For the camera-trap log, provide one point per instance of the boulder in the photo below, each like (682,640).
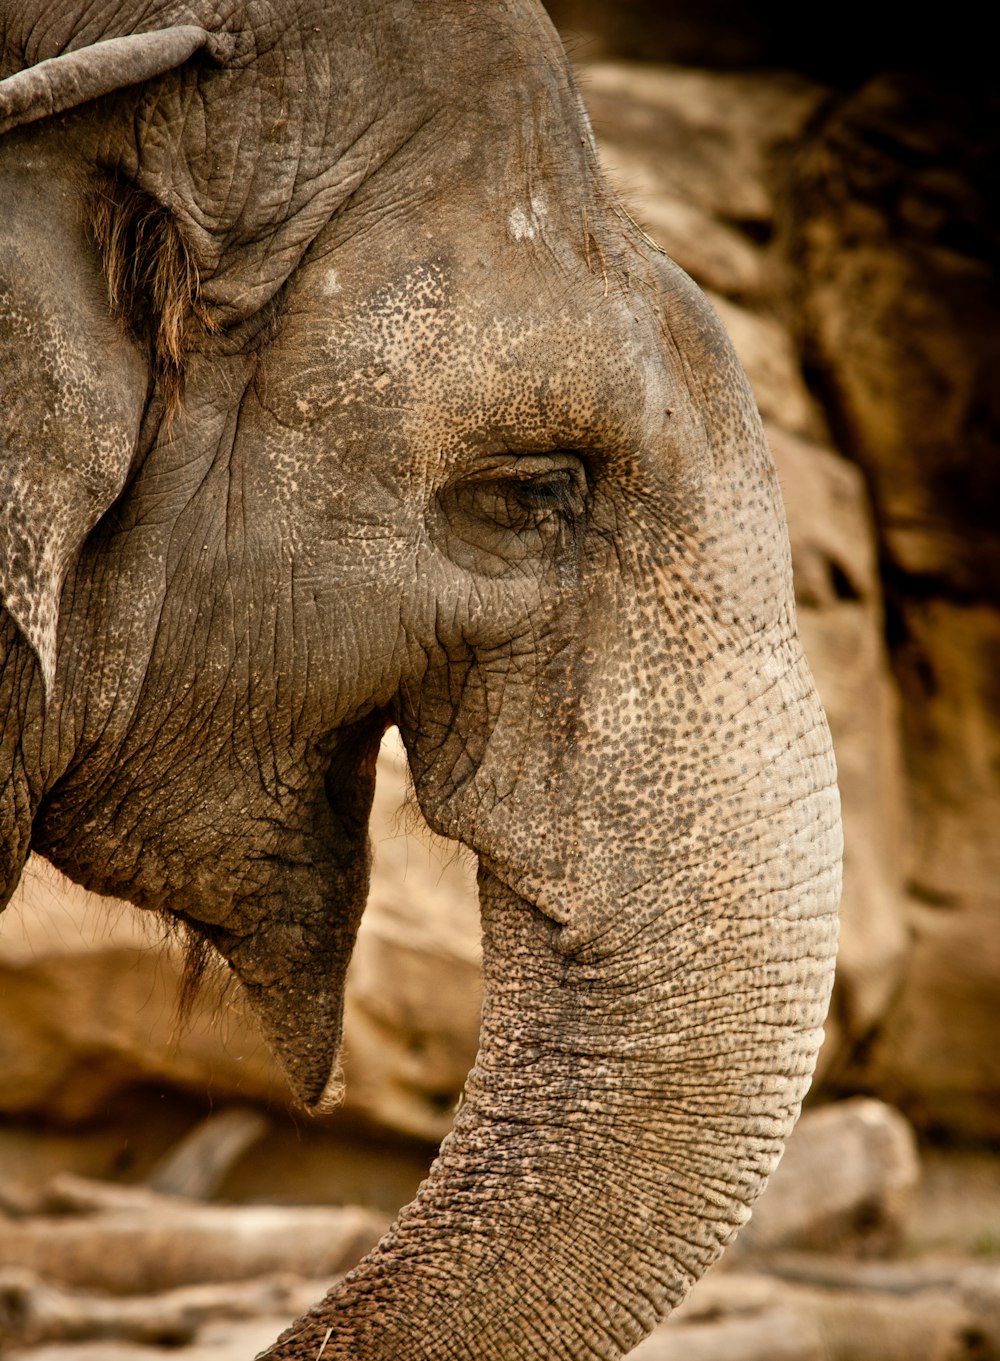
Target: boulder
(128,1240)
(766,349)
(936,1051)
(887,222)
(701,137)
(786,1322)
(89,993)
(839,599)
(844,1184)
(887,210)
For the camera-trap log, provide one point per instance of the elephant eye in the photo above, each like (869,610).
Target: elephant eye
(528,492)
(512,509)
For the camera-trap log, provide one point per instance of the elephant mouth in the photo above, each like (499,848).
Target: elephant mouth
(332,1094)
(303,1025)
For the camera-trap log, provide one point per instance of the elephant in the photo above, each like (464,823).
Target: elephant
(339,392)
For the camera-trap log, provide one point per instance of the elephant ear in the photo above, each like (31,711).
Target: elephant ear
(73,78)
(73,386)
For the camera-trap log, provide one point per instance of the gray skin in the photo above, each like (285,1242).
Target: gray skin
(445,442)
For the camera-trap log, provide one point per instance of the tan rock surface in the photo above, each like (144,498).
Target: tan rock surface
(936,1053)
(846,1182)
(766,350)
(704,138)
(839,600)
(88,1003)
(124,1240)
(890,224)
(895,244)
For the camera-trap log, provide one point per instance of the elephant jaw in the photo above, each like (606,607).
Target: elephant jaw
(310,1056)
(293,971)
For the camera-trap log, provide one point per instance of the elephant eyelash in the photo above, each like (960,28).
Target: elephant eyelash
(527,502)
(539,484)
(556,493)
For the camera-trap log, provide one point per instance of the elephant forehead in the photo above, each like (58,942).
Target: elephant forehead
(444,371)
(324,105)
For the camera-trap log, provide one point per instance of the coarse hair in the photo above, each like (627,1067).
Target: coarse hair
(154,289)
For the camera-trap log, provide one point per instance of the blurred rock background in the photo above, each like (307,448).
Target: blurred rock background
(834,190)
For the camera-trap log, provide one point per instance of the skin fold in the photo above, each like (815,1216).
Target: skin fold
(338,392)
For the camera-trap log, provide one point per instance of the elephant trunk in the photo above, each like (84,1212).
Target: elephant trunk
(626,1108)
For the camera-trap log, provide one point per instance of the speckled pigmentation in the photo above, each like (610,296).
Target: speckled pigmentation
(338,392)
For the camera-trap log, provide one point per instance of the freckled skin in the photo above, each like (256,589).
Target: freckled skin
(455,448)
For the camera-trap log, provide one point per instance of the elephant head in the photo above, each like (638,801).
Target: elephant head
(339,392)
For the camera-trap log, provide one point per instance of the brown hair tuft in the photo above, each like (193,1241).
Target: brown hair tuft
(152,279)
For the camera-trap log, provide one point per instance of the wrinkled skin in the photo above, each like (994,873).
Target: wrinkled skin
(440,440)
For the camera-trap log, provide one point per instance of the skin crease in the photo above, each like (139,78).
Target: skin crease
(456,448)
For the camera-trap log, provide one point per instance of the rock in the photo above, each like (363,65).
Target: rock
(414,989)
(116,1025)
(689,153)
(35,1311)
(700,137)
(889,225)
(888,220)
(958,1210)
(198,1165)
(766,350)
(779,1334)
(839,599)
(730,35)
(824,1313)
(948,660)
(717,256)
(845,1182)
(224,1339)
(336,1161)
(936,1051)
(830,524)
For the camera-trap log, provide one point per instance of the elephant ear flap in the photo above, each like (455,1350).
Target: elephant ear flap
(74,391)
(73,395)
(44,515)
(75,77)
